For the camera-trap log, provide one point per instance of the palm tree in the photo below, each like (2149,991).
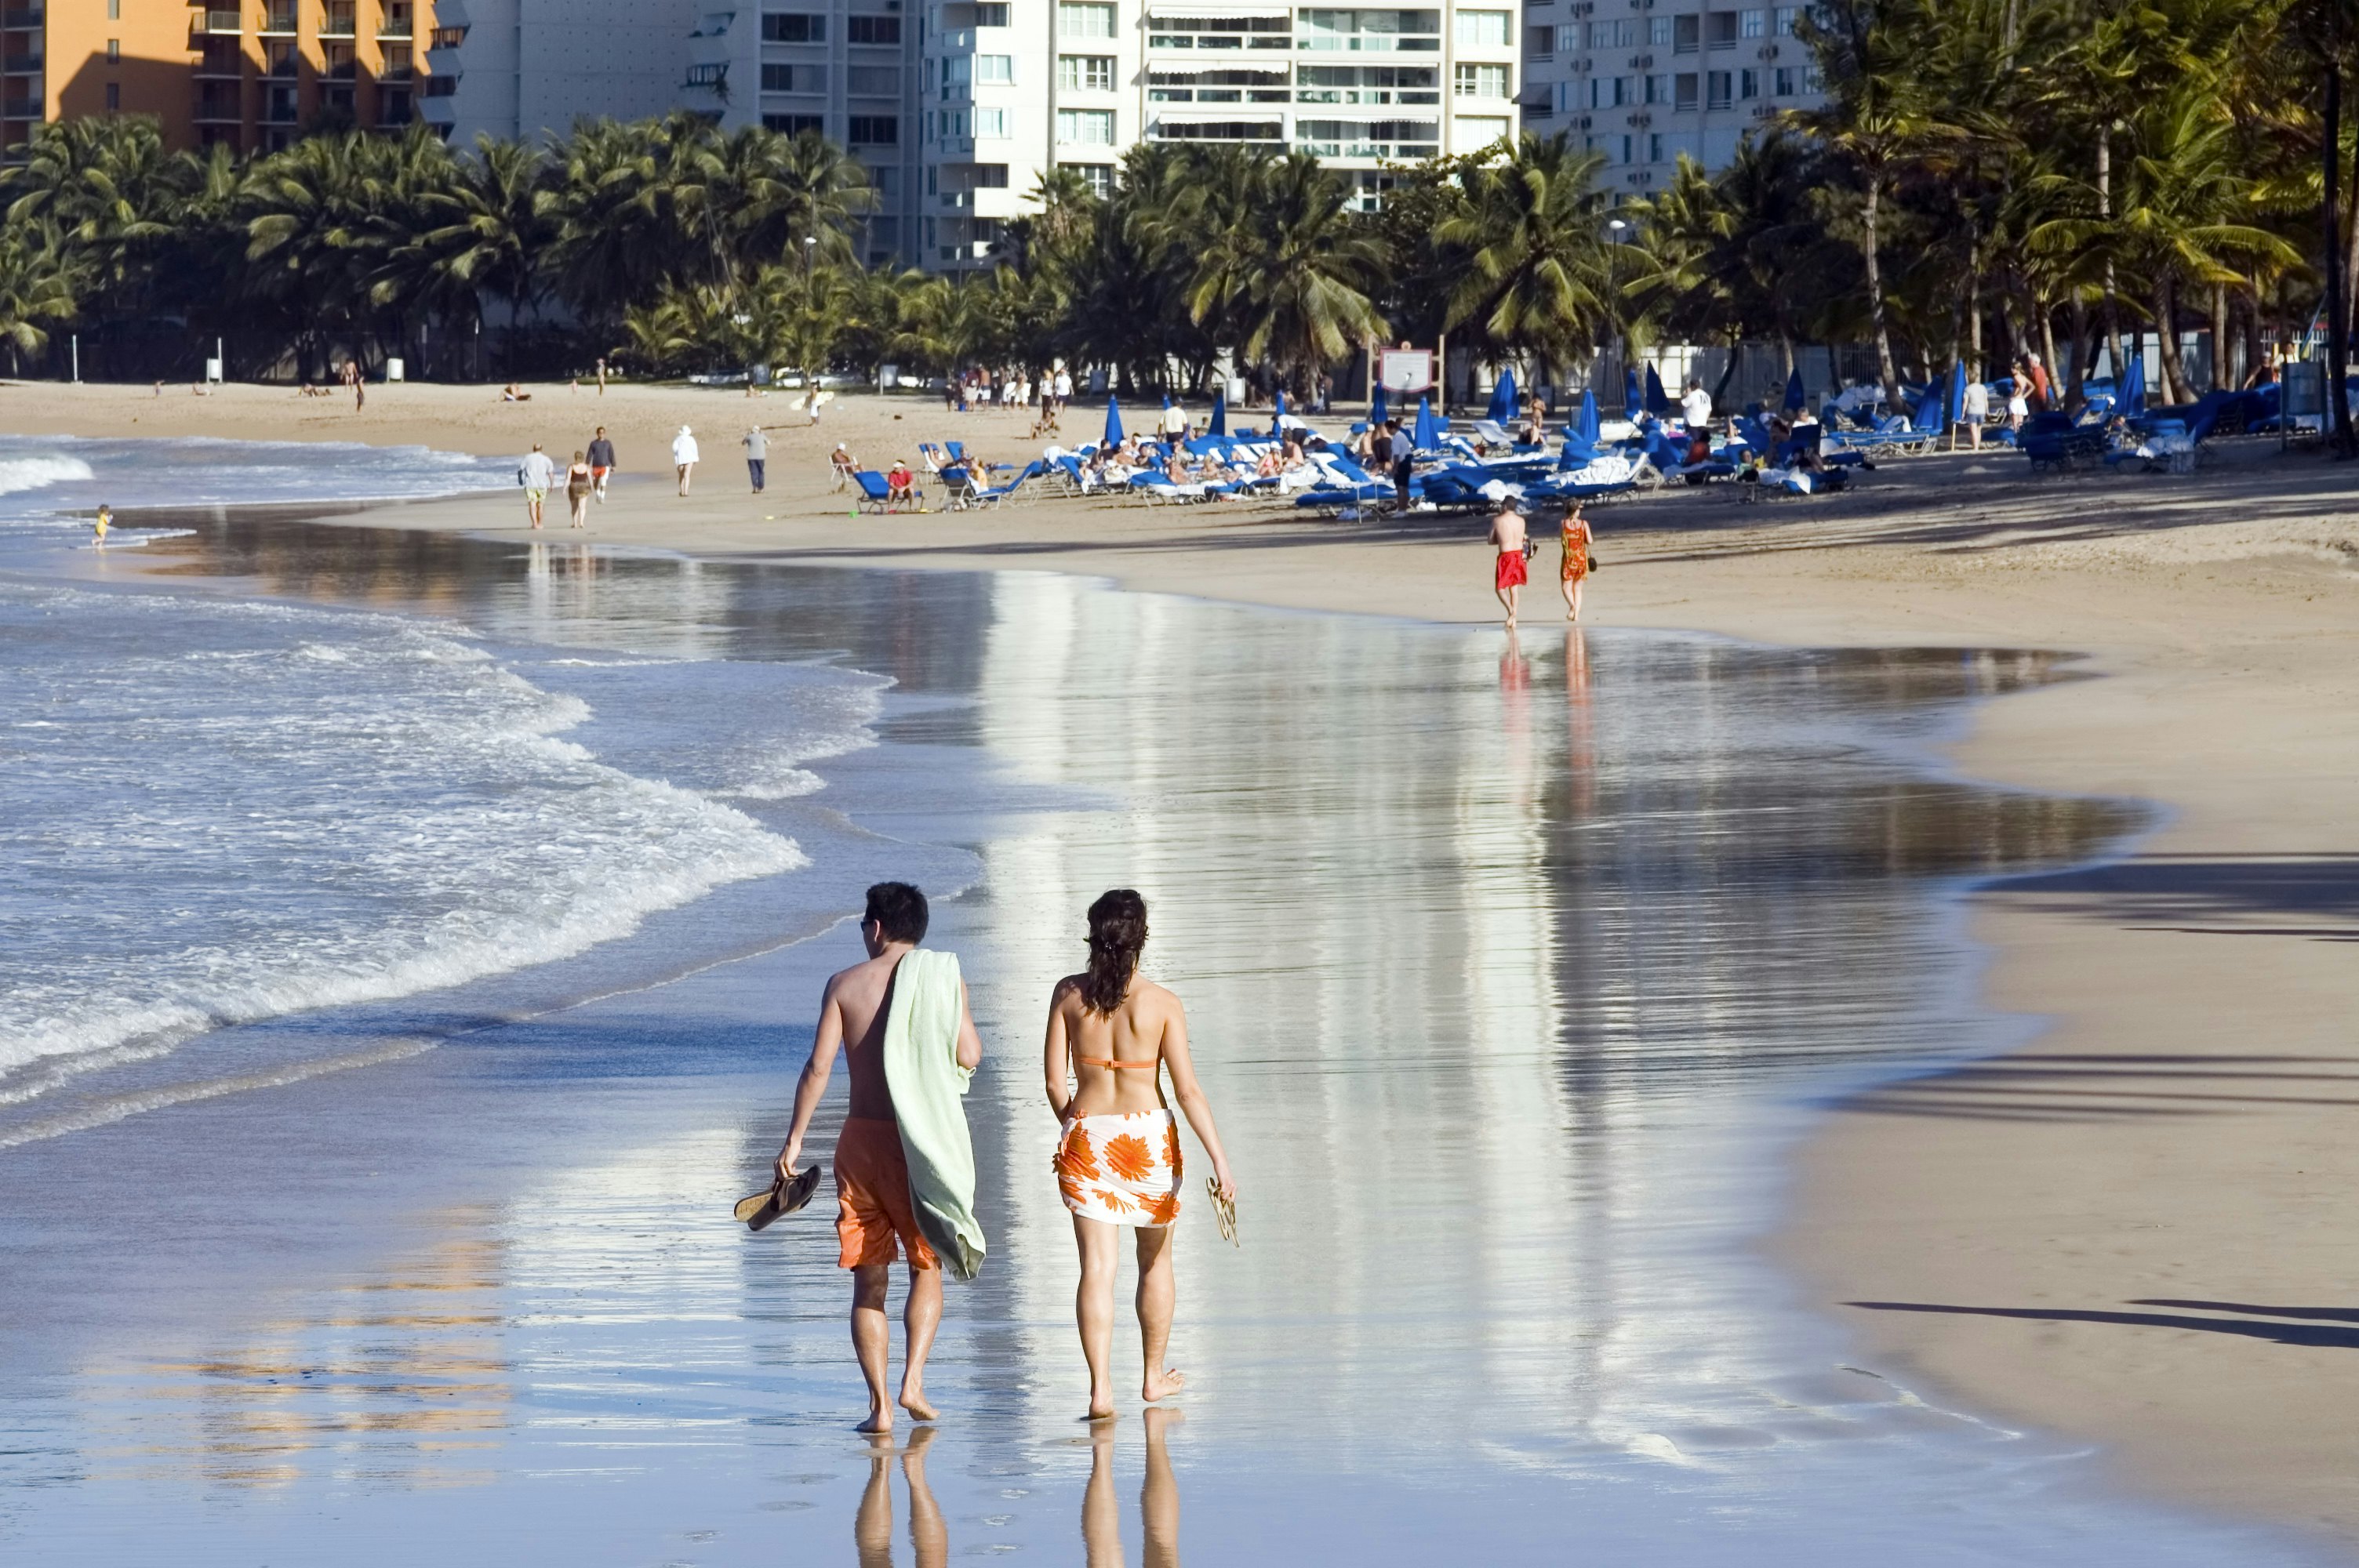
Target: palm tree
(489,231)
(1538,280)
(36,285)
(1293,276)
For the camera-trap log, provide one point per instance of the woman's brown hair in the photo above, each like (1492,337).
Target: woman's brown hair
(1117,931)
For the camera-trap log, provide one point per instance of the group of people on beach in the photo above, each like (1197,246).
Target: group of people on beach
(902,1020)
(1512,547)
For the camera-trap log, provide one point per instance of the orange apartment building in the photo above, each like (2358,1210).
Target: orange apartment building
(253,74)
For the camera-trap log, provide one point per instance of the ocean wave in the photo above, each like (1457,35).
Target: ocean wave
(24,473)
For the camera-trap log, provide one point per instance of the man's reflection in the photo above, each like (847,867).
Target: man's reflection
(1158,1499)
(872,1527)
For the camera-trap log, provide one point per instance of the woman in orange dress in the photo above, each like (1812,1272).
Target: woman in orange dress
(1575,569)
(1113,1035)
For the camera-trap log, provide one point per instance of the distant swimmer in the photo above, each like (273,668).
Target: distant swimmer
(904,1166)
(102,521)
(1113,1035)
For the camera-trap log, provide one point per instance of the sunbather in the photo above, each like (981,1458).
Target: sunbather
(900,483)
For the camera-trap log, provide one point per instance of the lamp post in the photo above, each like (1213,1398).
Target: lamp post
(1620,229)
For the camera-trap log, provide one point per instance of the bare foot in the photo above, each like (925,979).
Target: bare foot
(879,1422)
(1170,1380)
(914,1402)
(1100,1411)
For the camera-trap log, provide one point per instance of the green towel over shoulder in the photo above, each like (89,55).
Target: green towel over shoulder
(921,1069)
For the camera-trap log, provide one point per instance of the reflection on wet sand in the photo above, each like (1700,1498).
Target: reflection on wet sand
(872,1527)
(1158,1499)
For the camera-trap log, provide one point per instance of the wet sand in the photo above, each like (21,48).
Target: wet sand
(2127,1230)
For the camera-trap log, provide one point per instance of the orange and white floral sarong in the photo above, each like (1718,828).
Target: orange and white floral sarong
(1124,1170)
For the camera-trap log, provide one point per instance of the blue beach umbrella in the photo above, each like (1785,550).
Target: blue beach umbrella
(2130,401)
(1656,402)
(1584,424)
(1634,402)
(1430,430)
(1957,405)
(1794,397)
(1220,425)
(1503,398)
(1278,416)
(1113,422)
(1377,412)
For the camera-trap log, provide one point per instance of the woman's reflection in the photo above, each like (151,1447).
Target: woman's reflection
(1158,1499)
(872,1527)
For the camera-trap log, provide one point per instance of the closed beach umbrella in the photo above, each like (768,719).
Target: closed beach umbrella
(1657,403)
(1277,419)
(2130,395)
(1430,430)
(1503,398)
(1584,424)
(1634,402)
(1794,398)
(1377,412)
(1220,425)
(1113,422)
(1957,405)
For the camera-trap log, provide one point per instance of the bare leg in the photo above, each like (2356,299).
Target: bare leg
(1155,1313)
(1578,584)
(1572,591)
(1094,1309)
(929,1536)
(1100,1515)
(1158,1499)
(921,1315)
(1506,603)
(1515,593)
(872,1340)
(872,1527)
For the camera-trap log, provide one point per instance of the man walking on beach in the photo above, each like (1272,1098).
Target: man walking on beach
(683,457)
(904,1167)
(1507,572)
(757,454)
(536,475)
(602,461)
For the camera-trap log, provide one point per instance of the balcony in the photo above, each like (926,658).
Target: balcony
(216,25)
(394,33)
(217,109)
(27,16)
(23,65)
(276,22)
(337,23)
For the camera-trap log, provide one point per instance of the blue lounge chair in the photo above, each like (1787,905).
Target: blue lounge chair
(876,495)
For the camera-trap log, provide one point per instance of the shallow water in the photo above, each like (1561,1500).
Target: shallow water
(1513,970)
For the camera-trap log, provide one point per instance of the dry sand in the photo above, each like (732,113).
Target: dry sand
(2135,1228)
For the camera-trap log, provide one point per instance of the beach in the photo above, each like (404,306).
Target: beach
(2120,1232)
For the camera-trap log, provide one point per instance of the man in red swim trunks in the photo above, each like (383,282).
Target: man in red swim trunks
(1507,574)
(875,1220)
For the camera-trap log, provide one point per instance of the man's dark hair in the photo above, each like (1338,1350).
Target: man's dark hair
(899,912)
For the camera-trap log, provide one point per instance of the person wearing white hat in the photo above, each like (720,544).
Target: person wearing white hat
(683,455)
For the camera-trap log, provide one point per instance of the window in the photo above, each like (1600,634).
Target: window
(871,80)
(1481,81)
(1752,24)
(1475,133)
(1716,89)
(955,69)
(794,79)
(987,176)
(1658,32)
(1782,81)
(873,130)
(1099,176)
(1085,19)
(1482,28)
(990,123)
(1783,19)
(1659,89)
(1810,83)
(1720,30)
(796,125)
(1085,73)
(1618,34)
(1748,85)
(708,75)
(1654,146)
(1683,90)
(1686,34)
(1613,92)
(993,15)
(1086,127)
(995,68)
(446,38)
(872,30)
(114,10)
(1540,43)
(115,97)
(793,28)
(115,51)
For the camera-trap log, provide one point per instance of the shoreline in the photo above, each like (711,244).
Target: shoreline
(2124,1228)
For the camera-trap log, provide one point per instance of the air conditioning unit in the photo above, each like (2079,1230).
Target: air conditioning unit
(1641,61)
(1640,120)
(1765,111)
(1581,123)
(1580,68)
(1769,51)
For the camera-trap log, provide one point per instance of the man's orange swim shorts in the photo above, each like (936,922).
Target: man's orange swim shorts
(1509,572)
(872,1197)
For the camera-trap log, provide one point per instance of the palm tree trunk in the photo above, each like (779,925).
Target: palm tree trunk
(2222,375)
(2256,332)
(2104,214)
(2047,336)
(2166,320)
(1884,365)
(2337,281)
(2075,393)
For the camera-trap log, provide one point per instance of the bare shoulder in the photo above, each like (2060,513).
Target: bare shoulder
(1156,1001)
(1067,993)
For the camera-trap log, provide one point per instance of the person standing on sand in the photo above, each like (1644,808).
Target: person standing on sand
(1977,412)
(881,1211)
(1574,569)
(538,474)
(683,457)
(578,485)
(1507,573)
(602,461)
(1112,1035)
(757,454)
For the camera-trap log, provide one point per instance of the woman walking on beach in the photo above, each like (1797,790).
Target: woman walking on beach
(1118,1159)
(578,483)
(1574,568)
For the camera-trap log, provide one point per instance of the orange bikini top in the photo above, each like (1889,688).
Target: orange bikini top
(1110,1062)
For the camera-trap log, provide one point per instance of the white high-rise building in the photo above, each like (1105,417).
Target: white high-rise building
(523,69)
(1644,80)
(1010,88)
